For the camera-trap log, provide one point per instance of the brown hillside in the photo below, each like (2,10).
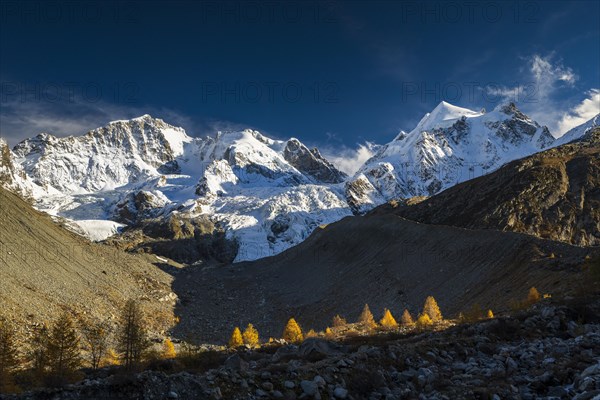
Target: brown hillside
(554,194)
(45,269)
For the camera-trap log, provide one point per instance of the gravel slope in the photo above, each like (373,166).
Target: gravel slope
(45,269)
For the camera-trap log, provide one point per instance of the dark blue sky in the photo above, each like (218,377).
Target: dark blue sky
(331,73)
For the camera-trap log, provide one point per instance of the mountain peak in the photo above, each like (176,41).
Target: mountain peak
(142,118)
(443,113)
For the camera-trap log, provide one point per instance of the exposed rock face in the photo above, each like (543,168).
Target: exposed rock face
(185,240)
(139,206)
(310,162)
(12,175)
(554,194)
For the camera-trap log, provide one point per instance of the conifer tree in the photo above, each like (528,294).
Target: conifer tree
(339,321)
(424,321)
(407,319)
(96,340)
(39,352)
(366,318)
(432,310)
(168,351)
(64,355)
(236,339)
(490,314)
(132,340)
(292,332)
(111,357)
(329,333)
(311,334)
(8,357)
(250,336)
(388,321)
(533,296)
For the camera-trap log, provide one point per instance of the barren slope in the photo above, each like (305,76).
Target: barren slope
(45,269)
(383,260)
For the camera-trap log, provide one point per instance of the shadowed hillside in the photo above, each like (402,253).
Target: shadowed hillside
(383,260)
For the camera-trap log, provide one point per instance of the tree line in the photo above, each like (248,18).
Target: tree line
(55,354)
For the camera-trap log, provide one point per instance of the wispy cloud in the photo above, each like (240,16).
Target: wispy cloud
(539,93)
(581,113)
(347,159)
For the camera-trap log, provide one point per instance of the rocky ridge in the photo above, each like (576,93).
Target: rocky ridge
(554,194)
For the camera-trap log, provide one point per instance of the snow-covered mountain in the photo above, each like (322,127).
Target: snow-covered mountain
(267,194)
(448,146)
(578,131)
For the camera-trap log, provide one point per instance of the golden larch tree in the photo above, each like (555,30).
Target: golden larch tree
(388,321)
(168,350)
(339,321)
(533,296)
(250,336)
(432,309)
(490,314)
(366,318)
(311,334)
(424,321)
(407,319)
(236,339)
(111,357)
(329,333)
(292,332)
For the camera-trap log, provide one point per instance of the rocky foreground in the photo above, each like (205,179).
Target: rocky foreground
(550,352)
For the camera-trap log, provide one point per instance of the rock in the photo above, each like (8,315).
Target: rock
(511,365)
(289,384)
(261,393)
(557,391)
(592,370)
(277,394)
(314,349)
(320,381)
(265,376)
(268,386)
(309,387)
(340,393)
(236,363)
(425,376)
(172,395)
(285,353)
